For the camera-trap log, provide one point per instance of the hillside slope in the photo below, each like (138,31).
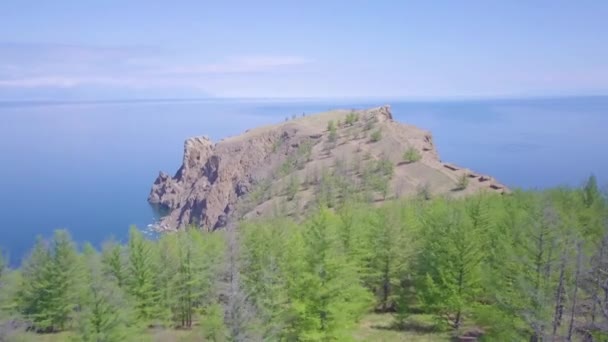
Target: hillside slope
(289,167)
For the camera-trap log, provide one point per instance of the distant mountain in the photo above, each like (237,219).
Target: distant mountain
(290,167)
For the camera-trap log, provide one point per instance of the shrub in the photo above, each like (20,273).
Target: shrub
(333,133)
(333,136)
(288,166)
(385,167)
(411,155)
(292,187)
(276,145)
(351,118)
(463,182)
(376,136)
(305,150)
(423,191)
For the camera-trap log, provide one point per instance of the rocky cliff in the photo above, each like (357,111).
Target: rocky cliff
(291,166)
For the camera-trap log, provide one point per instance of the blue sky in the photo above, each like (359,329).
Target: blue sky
(74,50)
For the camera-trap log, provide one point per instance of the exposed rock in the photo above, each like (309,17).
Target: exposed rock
(221,222)
(242,188)
(218,181)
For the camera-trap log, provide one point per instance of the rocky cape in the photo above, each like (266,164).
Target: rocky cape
(287,167)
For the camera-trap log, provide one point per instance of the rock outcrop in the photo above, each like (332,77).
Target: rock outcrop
(267,168)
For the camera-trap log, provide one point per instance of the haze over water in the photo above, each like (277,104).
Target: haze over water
(88,167)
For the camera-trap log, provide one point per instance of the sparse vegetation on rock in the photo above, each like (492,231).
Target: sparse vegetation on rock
(215,179)
(331,126)
(292,187)
(411,155)
(423,191)
(351,118)
(376,136)
(463,182)
(287,166)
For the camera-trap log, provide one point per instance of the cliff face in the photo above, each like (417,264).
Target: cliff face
(285,167)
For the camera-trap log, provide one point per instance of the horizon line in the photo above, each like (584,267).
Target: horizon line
(359,99)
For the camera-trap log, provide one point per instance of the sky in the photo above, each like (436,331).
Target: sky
(98,50)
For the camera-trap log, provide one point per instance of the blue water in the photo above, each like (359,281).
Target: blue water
(88,167)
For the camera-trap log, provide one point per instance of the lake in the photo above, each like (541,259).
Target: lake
(88,167)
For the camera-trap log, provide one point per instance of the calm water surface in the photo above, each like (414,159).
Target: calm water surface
(88,167)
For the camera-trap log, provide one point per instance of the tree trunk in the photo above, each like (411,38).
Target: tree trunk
(579,256)
(559,299)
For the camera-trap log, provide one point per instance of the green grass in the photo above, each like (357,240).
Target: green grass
(381,328)
(31,337)
(167,335)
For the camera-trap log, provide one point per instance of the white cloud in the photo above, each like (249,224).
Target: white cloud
(248,64)
(63,81)
(66,66)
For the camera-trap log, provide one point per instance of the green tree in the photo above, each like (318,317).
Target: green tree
(451,262)
(327,295)
(265,272)
(200,259)
(591,192)
(114,263)
(50,287)
(212,324)
(105,315)
(141,284)
(388,254)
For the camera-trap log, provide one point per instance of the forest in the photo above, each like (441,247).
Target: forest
(525,266)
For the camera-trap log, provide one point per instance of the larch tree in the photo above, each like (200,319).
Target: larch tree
(141,284)
(327,294)
(450,262)
(113,257)
(264,274)
(387,259)
(51,285)
(106,314)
